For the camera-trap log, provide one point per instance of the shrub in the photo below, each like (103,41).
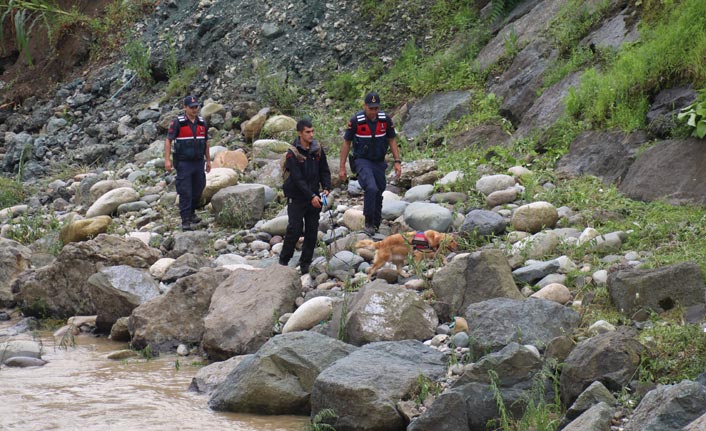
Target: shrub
(10,192)
(695,116)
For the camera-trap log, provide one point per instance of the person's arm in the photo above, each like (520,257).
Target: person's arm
(168,155)
(345,149)
(397,164)
(324,173)
(171,135)
(208,158)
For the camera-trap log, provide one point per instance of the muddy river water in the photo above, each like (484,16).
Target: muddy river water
(79,389)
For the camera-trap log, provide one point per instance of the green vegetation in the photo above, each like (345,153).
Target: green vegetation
(318,422)
(10,192)
(695,115)
(619,96)
(28,228)
(236,213)
(676,351)
(275,90)
(138,59)
(26,14)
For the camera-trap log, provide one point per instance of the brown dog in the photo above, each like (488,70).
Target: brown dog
(396,248)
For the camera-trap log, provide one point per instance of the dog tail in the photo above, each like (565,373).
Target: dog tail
(365,243)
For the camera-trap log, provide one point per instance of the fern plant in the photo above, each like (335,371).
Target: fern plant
(318,423)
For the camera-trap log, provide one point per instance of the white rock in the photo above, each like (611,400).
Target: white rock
(309,314)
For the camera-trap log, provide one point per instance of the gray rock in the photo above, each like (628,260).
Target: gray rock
(365,386)
(597,418)
(278,379)
(240,319)
(472,278)
(668,171)
(14,259)
(658,289)
(176,317)
(484,223)
(669,407)
(500,321)
(435,110)
(117,290)
(423,216)
(210,377)
(383,312)
(61,289)
(609,358)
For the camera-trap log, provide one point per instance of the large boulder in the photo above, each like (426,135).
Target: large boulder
(217,179)
(669,407)
(61,289)
(669,171)
(242,204)
(244,309)
(364,387)
(117,290)
(474,277)
(383,312)
(433,111)
(278,379)
(14,259)
(659,289)
(610,358)
(176,317)
(424,216)
(236,160)
(496,322)
(603,154)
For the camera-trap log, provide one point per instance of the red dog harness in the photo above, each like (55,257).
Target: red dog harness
(420,241)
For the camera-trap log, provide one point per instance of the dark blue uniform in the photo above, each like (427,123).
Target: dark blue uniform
(370,144)
(305,176)
(189,151)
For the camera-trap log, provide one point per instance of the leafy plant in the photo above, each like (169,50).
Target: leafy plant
(499,8)
(318,422)
(25,14)
(275,90)
(138,59)
(236,213)
(179,83)
(29,228)
(695,116)
(426,387)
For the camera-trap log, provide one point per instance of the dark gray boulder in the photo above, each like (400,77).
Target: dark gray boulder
(278,379)
(671,170)
(610,358)
(364,387)
(496,322)
(659,289)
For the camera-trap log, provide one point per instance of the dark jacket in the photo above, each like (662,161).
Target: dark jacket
(306,175)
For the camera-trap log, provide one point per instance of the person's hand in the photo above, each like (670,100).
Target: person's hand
(342,174)
(167,165)
(208,167)
(398,169)
(325,192)
(316,201)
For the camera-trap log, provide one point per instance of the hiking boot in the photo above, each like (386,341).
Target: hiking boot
(304,268)
(370,229)
(186,227)
(195,219)
(283,262)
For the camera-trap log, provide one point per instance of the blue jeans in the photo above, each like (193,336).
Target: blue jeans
(371,176)
(190,182)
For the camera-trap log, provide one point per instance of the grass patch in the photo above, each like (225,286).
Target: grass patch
(11,193)
(619,97)
(675,352)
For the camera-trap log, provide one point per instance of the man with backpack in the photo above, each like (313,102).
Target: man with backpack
(371,133)
(305,169)
(189,135)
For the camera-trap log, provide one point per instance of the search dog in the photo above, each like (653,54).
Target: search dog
(398,247)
